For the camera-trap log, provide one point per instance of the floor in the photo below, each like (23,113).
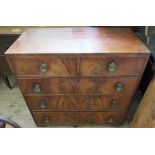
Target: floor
(13,106)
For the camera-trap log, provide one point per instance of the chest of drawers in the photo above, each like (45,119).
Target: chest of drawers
(78,76)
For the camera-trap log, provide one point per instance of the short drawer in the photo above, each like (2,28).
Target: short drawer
(111,65)
(78,118)
(78,103)
(45,66)
(104,86)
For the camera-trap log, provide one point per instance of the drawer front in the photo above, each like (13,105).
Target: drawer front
(48,86)
(111,65)
(78,103)
(78,118)
(44,66)
(104,86)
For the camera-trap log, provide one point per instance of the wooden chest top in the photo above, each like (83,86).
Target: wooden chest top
(78,40)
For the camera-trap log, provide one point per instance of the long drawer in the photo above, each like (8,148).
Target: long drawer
(78,118)
(79,85)
(79,103)
(48,66)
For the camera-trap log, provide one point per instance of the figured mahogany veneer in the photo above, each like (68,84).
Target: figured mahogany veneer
(78,76)
(78,118)
(98,65)
(76,66)
(78,102)
(102,86)
(56,66)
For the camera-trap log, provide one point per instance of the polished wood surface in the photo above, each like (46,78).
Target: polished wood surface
(78,40)
(56,66)
(99,65)
(102,86)
(78,118)
(77,66)
(145,115)
(78,76)
(79,103)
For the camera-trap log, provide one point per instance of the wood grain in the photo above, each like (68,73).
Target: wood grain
(102,86)
(106,86)
(78,88)
(78,118)
(79,103)
(99,65)
(78,40)
(64,66)
(77,65)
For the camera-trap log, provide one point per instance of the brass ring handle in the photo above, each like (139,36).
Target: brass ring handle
(47,120)
(110,119)
(42,104)
(37,88)
(119,86)
(113,103)
(112,67)
(43,68)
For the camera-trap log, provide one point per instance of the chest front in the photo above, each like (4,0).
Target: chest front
(78,76)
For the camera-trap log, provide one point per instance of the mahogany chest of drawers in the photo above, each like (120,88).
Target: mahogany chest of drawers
(78,76)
